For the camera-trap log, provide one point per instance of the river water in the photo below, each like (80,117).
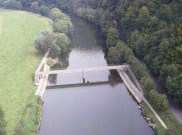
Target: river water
(100,106)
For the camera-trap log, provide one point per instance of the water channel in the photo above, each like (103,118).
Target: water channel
(101,106)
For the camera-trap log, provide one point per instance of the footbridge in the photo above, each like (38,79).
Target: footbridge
(122,67)
(39,74)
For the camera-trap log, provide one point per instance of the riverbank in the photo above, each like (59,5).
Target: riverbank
(18,60)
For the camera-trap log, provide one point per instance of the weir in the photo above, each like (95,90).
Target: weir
(41,78)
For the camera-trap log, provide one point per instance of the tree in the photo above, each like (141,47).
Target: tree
(112,37)
(153,23)
(129,21)
(133,38)
(158,101)
(142,45)
(114,55)
(44,10)
(137,67)
(147,85)
(12,4)
(35,7)
(167,71)
(165,13)
(2,123)
(63,26)
(45,41)
(62,41)
(55,14)
(144,12)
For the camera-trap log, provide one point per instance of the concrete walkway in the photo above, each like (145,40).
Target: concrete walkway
(43,82)
(138,94)
(131,87)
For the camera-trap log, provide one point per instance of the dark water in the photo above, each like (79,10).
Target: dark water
(101,106)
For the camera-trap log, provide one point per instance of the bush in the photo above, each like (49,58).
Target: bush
(158,101)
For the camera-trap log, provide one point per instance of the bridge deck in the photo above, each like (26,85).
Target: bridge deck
(83,70)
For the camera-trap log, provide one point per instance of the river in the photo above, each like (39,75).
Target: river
(100,106)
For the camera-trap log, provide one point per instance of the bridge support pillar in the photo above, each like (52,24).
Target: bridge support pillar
(83,75)
(37,78)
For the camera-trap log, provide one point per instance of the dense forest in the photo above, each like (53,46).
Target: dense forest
(151,28)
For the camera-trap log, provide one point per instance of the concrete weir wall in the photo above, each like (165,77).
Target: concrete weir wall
(131,87)
(137,94)
(41,78)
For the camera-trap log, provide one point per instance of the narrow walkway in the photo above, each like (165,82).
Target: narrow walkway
(83,70)
(43,82)
(137,94)
(131,87)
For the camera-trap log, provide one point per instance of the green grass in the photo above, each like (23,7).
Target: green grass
(174,127)
(18,61)
(50,62)
(131,79)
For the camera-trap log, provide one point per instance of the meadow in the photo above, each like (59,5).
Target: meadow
(18,62)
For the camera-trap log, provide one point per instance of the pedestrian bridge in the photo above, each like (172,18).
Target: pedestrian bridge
(39,74)
(83,70)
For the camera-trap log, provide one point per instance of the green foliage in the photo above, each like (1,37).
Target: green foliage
(45,41)
(147,85)
(35,7)
(12,4)
(141,45)
(158,101)
(165,13)
(63,26)
(2,123)
(114,55)
(50,62)
(44,10)
(88,14)
(62,41)
(55,14)
(62,23)
(144,12)
(112,37)
(19,130)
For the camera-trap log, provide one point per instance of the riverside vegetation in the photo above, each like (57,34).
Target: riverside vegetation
(58,42)
(153,31)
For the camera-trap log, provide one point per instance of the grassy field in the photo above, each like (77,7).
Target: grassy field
(18,61)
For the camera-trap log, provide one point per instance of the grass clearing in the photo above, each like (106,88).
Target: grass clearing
(18,61)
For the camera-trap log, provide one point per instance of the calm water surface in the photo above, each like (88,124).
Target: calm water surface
(102,106)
